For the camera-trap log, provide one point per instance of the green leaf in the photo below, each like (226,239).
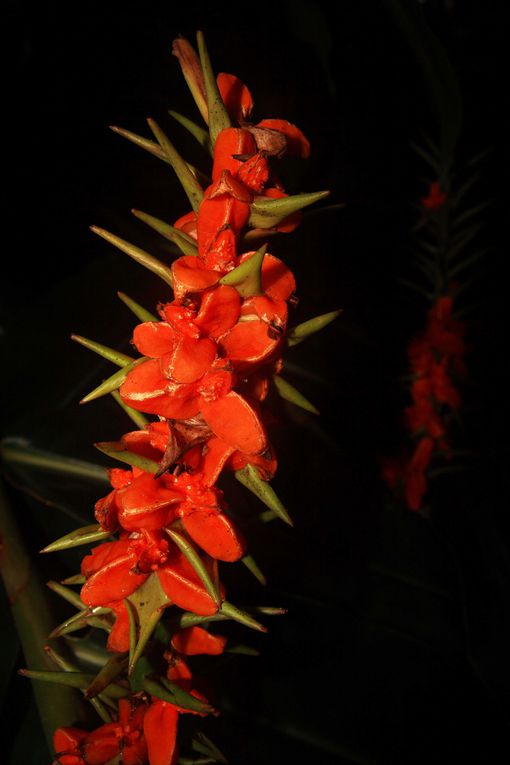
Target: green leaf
(116,357)
(247,278)
(88,617)
(16,453)
(139,311)
(148,602)
(193,190)
(142,257)
(192,71)
(171,692)
(289,393)
(112,669)
(252,566)
(112,383)
(201,135)
(218,115)
(138,418)
(191,554)
(118,451)
(83,536)
(145,143)
(249,477)
(203,745)
(71,679)
(185,243)
(71,596)
(306,328)
(232,612)
(74,579)
(266,212)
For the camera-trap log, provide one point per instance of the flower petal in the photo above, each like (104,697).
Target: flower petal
(114,581)
(192,641)
(184,587)
(154,338)
(190,360)
(230,143)
(297,143)
(219,310)
(145,504)
(149,391)
(160,730)
(190,275)
(235,95)
(215,533)
(234,420)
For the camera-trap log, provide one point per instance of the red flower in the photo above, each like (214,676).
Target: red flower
(435,198)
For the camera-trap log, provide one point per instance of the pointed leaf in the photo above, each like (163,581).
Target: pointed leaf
(247,278)
(189,551)
(253,567)
(184,242)
(249,477)
(17,452)
(166,691)
(112,669)
(75,579)
(232,612)
(203,745)
(266,212)
(306,328)
(139,311)
(137,417)
(289,393)
(466,263)
(85,535)
(196,131)
(193,190)
(218,115)
(145,143)
(142,257)
(112,383)
(117,451)
(116,357)
(133,629)
(148,602)
(89,617)
(71,679)
(192,71)
(70,595)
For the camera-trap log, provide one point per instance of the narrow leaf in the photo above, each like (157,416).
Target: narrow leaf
(218,115)
(117,451)
(305,329)
(85,535)
(185,243)
(133,631)
(289,393)
(15,452)
(75,579)
(145,143)
(112,669)
(252,566)
(232,612)
(71,679)
(175,695)
(249,477)
(193,190)
(201,135)
(88,617)
(203,745)
(142,257)
(116,357)
(267,212)
(247,278)
(148,602)
(139,311)
(112,383)
(192,71)
(137,417)
(70,595)
(190,552)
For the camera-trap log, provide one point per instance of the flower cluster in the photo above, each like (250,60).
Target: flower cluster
(207,362)
(436,359)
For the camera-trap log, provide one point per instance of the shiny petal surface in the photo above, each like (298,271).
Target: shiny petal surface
(215,533)
(145,504)
(154,338)
(219,311)
(193,641)
(235,95)
(160,730)
(234,420)
(183,586)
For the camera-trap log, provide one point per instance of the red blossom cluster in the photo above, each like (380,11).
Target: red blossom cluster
(205,372)
(436,359)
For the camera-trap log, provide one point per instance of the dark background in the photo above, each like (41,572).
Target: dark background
(394,648)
